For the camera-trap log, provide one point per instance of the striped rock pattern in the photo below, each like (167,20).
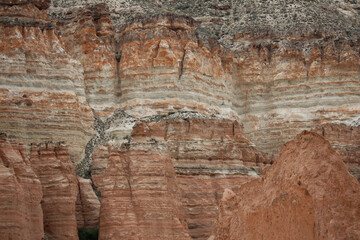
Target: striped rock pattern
(163,68)
(296,84)
(140,198)
(51,163)
(206,155)
(41,88)
(89,38)
(21,215)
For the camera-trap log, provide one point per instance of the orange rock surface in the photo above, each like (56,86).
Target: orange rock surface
(42,95)
(204,157)
(306,194)
(346,141)
(21,216)
(140,198)
(51,162)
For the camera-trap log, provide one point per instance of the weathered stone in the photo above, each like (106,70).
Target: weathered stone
(51,162)
(20,195)
(306,194)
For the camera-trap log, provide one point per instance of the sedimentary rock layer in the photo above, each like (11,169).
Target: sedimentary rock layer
(140,198)
(207,156)
(21,216)
(295,83)
(306,194)
(88,37)
(52,164)
(41,88)
(163,68)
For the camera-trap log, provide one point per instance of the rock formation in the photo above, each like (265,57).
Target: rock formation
(20,210)
(51,162)
(161,106)
(306,194)
(202,156)
(346,141)
(41,89)
(87,205)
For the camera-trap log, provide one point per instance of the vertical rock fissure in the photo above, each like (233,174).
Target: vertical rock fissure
(181,65)
(118,75)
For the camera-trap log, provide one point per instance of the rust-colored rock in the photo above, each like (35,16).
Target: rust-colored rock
(87,205)
(51,162)
(306,194)
(42,95)
(207,156)
(140,198)
(346,141)
(21,216)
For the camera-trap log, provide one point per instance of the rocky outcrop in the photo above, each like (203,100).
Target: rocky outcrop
(88,36)
(206,156)
(87,205)
(52,164)
(346,141)
(41,89)
(20,210)
(140,198)
(296,83)
(306,194)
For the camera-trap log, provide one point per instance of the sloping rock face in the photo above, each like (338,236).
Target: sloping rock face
(51,162)
(346,141)
(41,89)
(306,194)
(204,157)
(21,216)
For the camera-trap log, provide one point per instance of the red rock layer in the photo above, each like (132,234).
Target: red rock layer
(52,164)
(88,36)
(208,155)
(346,141)
(41,88)
(87,205)
(163,68)
(306,194)
(20,195)
(140,198)
(286,85)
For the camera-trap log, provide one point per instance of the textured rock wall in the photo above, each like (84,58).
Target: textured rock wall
(345,140)
(140,198)
(41,88)
(51,162)
(21,216)
(87,205)
(206,155)
(308,188)
(163,68)
(295,84)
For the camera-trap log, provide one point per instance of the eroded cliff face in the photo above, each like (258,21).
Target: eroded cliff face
(162,113)
(188,161)
(21,215)
(306,194)
(42,89)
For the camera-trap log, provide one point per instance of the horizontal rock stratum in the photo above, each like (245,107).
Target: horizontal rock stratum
(160,119)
